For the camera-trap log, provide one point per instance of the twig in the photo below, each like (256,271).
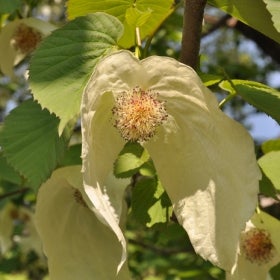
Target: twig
(216,23)
(156,249)
(20,191)
(192,26)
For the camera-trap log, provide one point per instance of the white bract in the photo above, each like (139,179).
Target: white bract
(76,243)
(204,159)
(259,248)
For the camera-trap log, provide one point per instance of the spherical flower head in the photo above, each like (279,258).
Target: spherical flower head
(257,246)
(25,38)
(138,113)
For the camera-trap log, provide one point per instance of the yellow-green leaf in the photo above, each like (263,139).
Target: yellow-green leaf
(149,14)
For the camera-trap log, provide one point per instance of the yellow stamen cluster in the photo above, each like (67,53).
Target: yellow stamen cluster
(25,38)
(138,113)
(257,246)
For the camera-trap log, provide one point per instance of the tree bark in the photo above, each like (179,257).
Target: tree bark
(192,26)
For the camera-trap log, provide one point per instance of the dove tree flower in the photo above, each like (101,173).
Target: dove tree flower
(18,39)
(259,248)
(204,159)
(76,243)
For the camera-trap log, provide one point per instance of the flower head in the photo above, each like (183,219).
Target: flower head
(25,38)
(204,160)
(138,113)
(18,39)
(259,248)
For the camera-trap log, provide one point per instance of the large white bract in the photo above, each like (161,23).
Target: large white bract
(204,159)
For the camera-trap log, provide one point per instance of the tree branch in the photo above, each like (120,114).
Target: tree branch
(215,22)
(192,26)
(160,250)
(267,45)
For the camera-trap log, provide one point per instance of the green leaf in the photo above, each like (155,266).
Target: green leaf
(8,7)
(210,79)
(62,65)
(269,164)
(72,156)
(270,145)
(150,204)
(267,188)
(263,97)
(161,210)
(148,169)
(275,272)
(31,143)
(254,13)
(7,173)
(137,18)
(159,11)
(130,159)
(273,6)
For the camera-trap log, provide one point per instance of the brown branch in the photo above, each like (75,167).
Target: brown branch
(266,44)
(215,22)
(192,26)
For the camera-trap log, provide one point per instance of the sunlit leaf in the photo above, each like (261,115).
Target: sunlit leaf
(254,13)
(270,166)
(31,143)
(271,145)
(154,12)
(130,159)
(210,79)
(64,61)
(267,188)
(161,210)
(273,6)
(148,169)
(150,204)
(137,18)
(263,97)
